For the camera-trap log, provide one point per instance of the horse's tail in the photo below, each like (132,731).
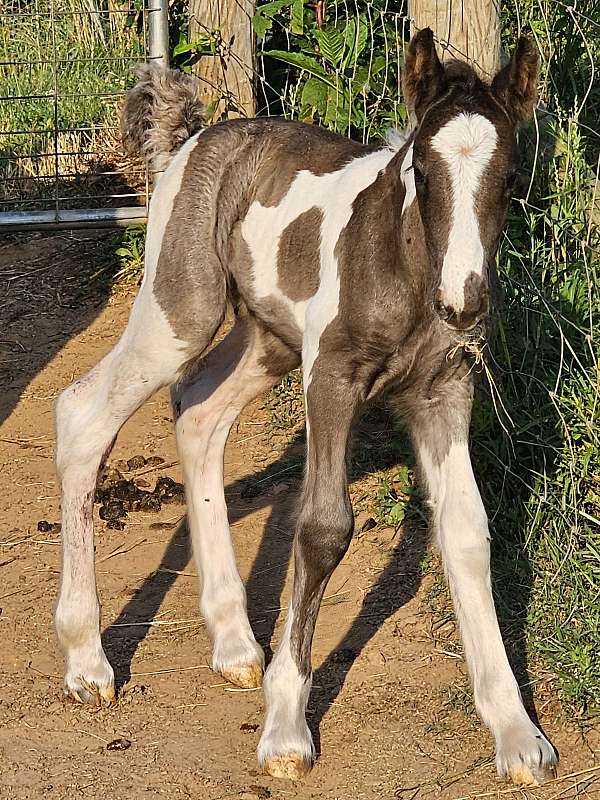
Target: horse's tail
(160,113)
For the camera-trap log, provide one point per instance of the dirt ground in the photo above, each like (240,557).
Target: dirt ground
(390,708)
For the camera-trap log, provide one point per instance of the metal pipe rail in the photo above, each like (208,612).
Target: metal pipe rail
(58,110)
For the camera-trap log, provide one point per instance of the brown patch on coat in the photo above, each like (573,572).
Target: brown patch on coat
(299,256)
(291,147)
(271,311)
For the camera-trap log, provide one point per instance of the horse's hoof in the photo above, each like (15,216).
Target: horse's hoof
(81,691)
(246,676)
(289,767)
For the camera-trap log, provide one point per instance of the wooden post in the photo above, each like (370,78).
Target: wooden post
(228,77)
(465,29)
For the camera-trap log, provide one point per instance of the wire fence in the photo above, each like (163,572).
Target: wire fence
(64,68)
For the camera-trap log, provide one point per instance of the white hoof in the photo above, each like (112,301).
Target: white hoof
(90,679)
(240,660)
(286,752)
(524,755)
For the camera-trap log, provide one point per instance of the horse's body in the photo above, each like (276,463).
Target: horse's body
(370,267)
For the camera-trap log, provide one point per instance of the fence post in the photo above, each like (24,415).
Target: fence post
(158,31)
(465,29)
(228,77)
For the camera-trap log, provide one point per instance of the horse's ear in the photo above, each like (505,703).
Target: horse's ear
(423,74)
(515,86)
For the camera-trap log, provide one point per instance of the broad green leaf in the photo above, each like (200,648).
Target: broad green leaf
(297,22)
(261,25)
(355,39)
(331,44)
(270,9)
(314,96)
(337,116)
(302,61)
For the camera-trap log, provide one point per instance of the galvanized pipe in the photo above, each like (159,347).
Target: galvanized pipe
(75,218)
(158,31)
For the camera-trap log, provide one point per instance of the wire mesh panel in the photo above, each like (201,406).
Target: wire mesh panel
(64,66)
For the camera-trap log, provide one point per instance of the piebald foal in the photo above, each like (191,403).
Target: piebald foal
(368,265)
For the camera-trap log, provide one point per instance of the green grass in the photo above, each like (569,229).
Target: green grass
(94,56)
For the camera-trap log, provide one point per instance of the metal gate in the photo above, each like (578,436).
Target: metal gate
(64,67)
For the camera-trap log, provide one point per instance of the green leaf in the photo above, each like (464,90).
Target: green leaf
(302,61)
(337,116)
(355,39)
(314,97)
(297,22)
(397,513)
(331,44)
(261,25)
(270,9)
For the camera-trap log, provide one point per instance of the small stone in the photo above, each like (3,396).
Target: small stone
(368,525)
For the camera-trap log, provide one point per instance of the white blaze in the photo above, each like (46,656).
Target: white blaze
(408,178)
(466,144)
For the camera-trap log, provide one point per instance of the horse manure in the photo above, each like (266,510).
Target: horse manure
(44,526)
(168,490)
(113,509)
(119,744)
(118,496)
(248,727)
(137,462)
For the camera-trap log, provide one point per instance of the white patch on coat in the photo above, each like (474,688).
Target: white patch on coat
(463,536)
(466,144)
(408,179)
(286,693)
(334,194)
(146,310)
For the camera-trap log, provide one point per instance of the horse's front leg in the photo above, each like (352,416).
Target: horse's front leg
(323,533)
(440,430)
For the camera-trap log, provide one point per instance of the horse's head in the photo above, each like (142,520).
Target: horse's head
(464,165)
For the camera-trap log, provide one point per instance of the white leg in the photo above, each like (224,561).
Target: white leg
(89,415)
(522,752)
(231,376)
(323,534)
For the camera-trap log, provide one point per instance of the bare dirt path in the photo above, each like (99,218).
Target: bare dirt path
(390,707)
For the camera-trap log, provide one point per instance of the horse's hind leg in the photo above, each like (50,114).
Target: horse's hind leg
(89,415)
(248,361)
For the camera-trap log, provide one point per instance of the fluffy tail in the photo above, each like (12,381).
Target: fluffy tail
(160,113)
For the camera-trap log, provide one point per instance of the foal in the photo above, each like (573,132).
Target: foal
(368,265)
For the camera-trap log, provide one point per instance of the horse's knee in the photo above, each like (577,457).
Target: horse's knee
(324,535)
